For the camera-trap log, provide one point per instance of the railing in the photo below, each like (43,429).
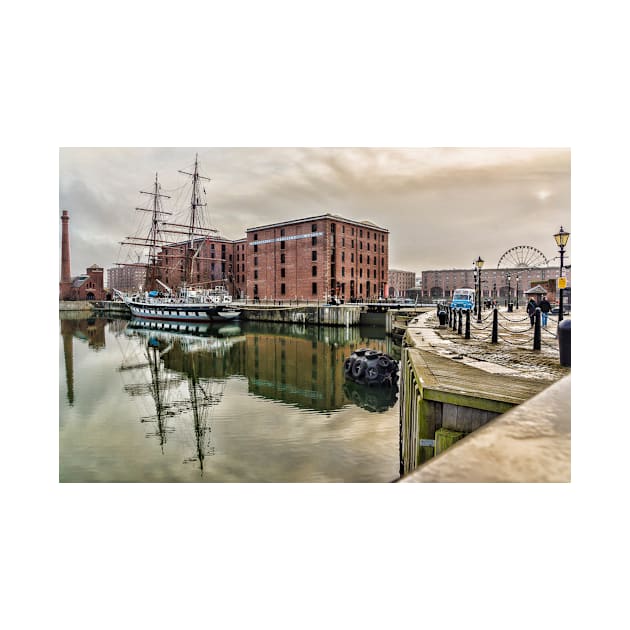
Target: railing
(500,329)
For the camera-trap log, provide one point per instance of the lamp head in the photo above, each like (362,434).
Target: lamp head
(562,237)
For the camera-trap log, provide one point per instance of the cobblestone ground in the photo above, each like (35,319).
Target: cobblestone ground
(515,347)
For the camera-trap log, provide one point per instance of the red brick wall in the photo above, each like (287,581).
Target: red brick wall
(353,255)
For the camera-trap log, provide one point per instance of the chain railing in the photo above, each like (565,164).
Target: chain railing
(461,322)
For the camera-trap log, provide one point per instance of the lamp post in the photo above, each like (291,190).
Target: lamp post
(509,295)
(479,264)
(517,276)
(562,238)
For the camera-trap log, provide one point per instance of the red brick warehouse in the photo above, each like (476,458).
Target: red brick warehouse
(315,258)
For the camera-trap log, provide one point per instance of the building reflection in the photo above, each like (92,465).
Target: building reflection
(77,326)
(297,365)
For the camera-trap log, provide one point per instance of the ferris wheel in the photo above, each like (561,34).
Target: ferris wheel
(522,256)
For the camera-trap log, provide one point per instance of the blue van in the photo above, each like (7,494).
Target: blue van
(463,298)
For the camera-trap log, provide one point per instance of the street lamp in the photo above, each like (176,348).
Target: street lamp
(517,277)
(479,264)
(562,238)
(509,295)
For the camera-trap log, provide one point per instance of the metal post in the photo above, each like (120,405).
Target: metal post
(479,303)
(562,238)
(537,329)
(467,335)
(454,320)
(495,325)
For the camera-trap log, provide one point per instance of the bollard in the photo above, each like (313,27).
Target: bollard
(459,322)
(510,307)
(537,329)
(564,342)
(442,318)
(454,320)
(495,326)
(450,317)
(467,335)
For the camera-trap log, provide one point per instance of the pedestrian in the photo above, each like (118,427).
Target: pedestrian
(531,310)
(545,307)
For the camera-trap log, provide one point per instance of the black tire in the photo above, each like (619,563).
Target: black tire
(358,368)
(372,373)
(347,365)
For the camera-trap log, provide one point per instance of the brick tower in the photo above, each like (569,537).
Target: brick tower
(66,277)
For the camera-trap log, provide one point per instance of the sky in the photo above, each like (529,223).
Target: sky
(279,73)
(444,207)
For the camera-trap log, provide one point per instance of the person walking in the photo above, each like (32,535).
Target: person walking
(531,310)
(545,308)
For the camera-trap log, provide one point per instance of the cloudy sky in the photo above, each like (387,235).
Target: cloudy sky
(443,206)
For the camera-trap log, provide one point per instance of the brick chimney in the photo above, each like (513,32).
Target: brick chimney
(65,248)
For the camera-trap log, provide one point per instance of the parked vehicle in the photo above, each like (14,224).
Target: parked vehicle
(464,299)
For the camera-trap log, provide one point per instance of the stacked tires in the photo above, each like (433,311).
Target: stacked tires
(370,367)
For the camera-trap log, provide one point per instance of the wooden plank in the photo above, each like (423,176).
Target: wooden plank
(445,380)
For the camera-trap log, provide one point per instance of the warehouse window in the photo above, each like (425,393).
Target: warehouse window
(314,288)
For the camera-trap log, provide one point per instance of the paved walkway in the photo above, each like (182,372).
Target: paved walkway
(512,355)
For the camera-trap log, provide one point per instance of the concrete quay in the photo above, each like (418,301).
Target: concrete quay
(473,411)
(531,443)
(75,305)
(319,315)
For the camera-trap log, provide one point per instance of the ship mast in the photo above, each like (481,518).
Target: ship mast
(194,226)
(154,241)
(161,246)
(153,273)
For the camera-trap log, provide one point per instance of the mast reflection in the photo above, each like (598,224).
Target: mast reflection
(189,365)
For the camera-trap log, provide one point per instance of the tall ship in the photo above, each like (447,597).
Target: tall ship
(175,250)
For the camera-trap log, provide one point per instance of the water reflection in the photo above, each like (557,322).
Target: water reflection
(86,329)
(376,398)
(298,365)
(175,375)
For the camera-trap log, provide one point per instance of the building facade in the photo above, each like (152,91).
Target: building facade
(495,283)
(315,258)
(87,286)
(128,279)
(400,282)
(210,265)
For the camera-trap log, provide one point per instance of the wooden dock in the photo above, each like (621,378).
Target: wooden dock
(443,399)
(447,380)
